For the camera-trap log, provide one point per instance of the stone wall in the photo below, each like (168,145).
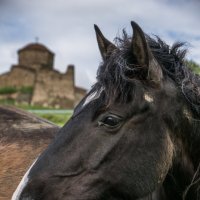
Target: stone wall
(18,76)
(34,59)
(54,89)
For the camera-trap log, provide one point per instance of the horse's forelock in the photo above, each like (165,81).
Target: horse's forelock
(92,96)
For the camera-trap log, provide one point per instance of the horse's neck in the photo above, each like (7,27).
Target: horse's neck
(183,180)
(195,143)
(193,189)
(187,141)
(158,194)
(178,180)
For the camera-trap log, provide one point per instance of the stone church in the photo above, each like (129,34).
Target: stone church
(34,81)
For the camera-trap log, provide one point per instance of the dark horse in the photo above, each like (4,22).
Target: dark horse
(134,136)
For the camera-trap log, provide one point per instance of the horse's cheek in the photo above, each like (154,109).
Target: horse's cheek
(158,167)
(166,156)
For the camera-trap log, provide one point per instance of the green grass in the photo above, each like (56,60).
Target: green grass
(23,105)
(33,107)
(59,119)
(7,101)
(57,116)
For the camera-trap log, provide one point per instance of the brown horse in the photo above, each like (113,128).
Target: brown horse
(22,137)
(135,134)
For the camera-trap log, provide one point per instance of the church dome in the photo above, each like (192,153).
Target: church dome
(36,55)
(35,47)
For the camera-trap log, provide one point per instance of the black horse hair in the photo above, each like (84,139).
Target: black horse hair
(117,73)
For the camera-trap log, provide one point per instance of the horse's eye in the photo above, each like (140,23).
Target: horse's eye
(110,121)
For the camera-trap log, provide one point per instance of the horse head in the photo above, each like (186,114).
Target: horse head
(123,137)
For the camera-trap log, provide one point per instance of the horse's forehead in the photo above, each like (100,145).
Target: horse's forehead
(96,94)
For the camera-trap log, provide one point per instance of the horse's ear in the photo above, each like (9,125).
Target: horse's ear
(105,46)
(139,45)
(143,54)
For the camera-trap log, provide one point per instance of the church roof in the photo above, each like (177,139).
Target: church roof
(35,47)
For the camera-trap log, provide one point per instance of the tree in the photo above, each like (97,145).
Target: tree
(193,66)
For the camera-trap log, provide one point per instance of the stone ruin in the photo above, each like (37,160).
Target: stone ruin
(34,81)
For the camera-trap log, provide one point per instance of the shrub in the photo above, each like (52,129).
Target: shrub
(8,90)
(26,90)
(195,67)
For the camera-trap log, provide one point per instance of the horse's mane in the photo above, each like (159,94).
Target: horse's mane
(173,63)
(116,74)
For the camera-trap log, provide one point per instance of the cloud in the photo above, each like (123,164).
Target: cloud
(66,27)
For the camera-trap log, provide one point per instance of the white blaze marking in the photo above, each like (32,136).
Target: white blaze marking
(92,97)
(187,114)
(148,98)
(22,184)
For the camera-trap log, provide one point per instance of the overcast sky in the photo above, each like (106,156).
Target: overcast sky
(66,28)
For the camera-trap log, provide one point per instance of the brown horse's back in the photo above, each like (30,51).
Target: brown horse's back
(22,137)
